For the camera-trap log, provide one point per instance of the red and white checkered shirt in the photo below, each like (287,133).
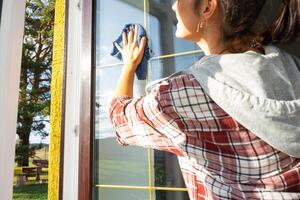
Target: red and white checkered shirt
(218,157)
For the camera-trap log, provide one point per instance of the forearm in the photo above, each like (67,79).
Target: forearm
(125,83)
(132,55)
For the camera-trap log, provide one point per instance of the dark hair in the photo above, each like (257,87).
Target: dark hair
(240,25)
(287,27)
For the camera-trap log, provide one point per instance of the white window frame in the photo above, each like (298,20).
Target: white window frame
(72,99)
(11,40)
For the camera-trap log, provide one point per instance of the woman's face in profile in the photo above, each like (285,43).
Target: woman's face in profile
(187,19)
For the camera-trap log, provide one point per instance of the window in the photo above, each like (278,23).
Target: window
(135,173)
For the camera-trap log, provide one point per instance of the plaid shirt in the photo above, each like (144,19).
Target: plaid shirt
(218,157)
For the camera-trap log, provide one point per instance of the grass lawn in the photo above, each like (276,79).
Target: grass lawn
(31,192)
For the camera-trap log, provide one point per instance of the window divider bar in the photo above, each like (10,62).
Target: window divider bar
(150,173)
(146,25)
(185,53)
(142,188)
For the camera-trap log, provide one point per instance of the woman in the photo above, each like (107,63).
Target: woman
(233,118)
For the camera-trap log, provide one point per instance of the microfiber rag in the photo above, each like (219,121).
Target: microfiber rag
(141,70)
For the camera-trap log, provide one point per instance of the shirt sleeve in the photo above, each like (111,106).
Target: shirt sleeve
(175,111)
(143,122)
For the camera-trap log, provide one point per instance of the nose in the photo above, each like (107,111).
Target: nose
(174,6)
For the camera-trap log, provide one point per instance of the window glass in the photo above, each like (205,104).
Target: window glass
(121,194)
(166,170)
(170,195)
(115,165)
(112,15)
(162,26)
(162,67)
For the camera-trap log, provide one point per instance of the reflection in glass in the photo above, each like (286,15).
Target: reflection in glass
(112,15)
(162,28)
(170,195)
(166,170)
(106,80)
(160,68)
(115,164)
(121,194)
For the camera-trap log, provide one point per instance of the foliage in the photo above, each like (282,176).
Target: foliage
(34,98)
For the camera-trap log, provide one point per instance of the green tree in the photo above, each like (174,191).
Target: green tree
(34,98)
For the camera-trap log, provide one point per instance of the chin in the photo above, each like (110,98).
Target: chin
(183,33)
(180,34)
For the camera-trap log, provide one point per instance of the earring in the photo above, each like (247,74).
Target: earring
(199,26)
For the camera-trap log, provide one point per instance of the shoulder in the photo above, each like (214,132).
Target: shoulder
(178,81)
(179,91)
(183,99)
(185,80)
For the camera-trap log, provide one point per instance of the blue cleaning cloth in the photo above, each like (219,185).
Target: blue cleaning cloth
(141,70)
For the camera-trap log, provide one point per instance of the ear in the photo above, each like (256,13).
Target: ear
(209,8)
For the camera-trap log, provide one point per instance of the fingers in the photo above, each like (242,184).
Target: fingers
(124,38)
(118,47)
(132,38)
(130,35)
(143,44)
(135,37)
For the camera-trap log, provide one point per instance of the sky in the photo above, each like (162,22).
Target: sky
(34,138)
(38,139)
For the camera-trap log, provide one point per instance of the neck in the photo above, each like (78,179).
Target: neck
(211,45)
(211,41)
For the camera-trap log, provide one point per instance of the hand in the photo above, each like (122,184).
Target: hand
(131,53)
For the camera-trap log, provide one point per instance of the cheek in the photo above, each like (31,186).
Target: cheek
(181,30)
(186,27)
(187,21)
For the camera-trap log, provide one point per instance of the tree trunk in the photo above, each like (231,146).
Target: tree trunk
(24,141)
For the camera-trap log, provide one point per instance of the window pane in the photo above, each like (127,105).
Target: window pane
(112,15)
(117,165)
(166,172)
(170,195)
(162,22)
(121,194)
(160,68)
(106,81)
(114,164)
